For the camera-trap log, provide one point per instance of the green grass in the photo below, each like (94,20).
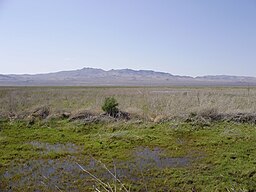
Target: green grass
(224,155)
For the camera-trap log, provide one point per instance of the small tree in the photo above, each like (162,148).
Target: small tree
(110,106)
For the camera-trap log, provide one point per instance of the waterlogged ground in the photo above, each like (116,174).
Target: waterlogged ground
(173,156)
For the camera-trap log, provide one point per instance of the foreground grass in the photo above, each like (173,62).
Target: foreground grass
(222,156)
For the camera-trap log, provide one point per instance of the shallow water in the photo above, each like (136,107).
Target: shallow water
(171,91)
(145,157)
(64,173)
(58,147)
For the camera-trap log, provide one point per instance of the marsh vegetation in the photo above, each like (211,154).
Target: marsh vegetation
(176,139)
(146,102)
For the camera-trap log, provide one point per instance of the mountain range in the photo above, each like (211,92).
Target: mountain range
(121,77)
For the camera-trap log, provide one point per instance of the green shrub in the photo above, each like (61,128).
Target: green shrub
(110,106)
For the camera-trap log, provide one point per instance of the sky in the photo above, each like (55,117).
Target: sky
(182,37)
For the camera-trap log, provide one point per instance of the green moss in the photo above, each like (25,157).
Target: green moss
(223,154)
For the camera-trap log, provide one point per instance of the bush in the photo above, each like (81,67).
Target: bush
(110,106)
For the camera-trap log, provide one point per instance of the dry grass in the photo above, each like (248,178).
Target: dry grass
(147,102)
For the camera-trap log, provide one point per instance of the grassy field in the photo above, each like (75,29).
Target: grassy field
(134,155)
(147,102)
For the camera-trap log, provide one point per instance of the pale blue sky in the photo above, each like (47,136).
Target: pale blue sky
(185,37)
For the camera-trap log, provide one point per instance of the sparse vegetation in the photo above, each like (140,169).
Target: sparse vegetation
(143,102)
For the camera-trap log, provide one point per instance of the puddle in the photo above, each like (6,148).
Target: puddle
(58,147)
(171,91)
(46,174)
(146,157)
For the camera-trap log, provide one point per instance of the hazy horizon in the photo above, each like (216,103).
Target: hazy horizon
(122,69)
(183,74)
(193,38)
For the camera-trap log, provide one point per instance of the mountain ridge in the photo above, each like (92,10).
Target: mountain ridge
(95,76)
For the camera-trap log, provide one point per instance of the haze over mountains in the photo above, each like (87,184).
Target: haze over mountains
(121,77)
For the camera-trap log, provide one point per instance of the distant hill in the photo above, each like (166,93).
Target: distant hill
(5,77)
(121,77)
